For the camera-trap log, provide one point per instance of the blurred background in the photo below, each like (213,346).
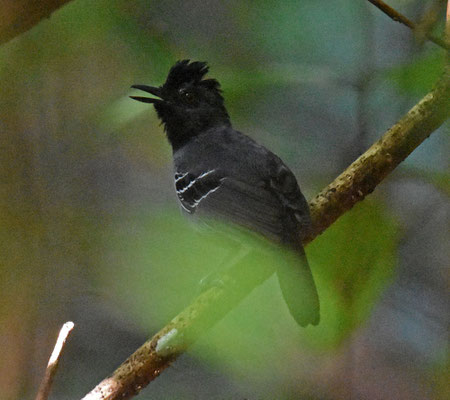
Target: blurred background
(90,229)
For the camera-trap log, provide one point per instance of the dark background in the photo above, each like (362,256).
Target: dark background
(90,230)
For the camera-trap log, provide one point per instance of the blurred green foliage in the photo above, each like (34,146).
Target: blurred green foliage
(420,75)
(352,262)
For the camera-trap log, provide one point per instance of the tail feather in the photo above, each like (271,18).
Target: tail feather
(298,288)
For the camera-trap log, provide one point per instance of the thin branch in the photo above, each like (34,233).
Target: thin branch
(396,16)
(18,16)
(360,179)
(53,362)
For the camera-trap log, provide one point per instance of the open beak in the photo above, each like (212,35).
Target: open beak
(149,89)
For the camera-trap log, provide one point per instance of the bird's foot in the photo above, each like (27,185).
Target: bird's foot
(211,280)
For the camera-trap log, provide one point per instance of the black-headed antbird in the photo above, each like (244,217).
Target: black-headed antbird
(224,174)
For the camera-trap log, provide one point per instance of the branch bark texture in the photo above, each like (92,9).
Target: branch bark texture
(360,179)
(18,16)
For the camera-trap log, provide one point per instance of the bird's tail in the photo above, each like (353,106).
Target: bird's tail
(298,288)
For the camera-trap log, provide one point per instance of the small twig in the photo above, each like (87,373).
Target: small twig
(396,16)
(47,380)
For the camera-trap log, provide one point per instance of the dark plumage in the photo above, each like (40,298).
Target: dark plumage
(222,173)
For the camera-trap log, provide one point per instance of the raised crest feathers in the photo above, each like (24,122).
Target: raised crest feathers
(185,71)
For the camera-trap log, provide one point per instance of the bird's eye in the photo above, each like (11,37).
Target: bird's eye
(187,95)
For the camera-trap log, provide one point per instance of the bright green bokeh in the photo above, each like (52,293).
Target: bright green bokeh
(352,263)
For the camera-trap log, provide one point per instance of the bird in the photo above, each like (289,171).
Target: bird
(224,174)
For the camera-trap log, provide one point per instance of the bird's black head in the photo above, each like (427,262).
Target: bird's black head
(187,104)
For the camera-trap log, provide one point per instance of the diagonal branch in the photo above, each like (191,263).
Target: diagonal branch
(396,16)
(360,179)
